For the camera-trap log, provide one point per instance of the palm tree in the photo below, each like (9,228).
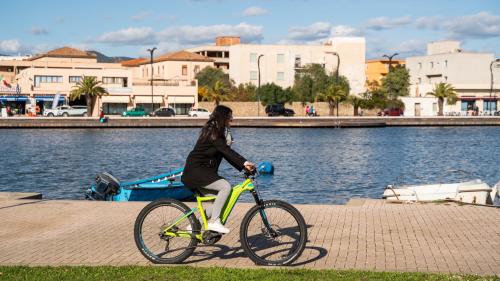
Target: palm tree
(334,94)
(444,91)
(217,93)
(90,88)
(357,102)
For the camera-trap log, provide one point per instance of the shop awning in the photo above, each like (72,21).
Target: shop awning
(468,98)
(13,98)
(490,98)
(147,99)
(180,99)
(47,98)
(116,99)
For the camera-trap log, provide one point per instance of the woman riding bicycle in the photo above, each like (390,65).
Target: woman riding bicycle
(202,163)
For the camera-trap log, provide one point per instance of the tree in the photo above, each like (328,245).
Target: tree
(336,93)
(356,102)
(274,94)
(311,81)
(244,92)
(219,92)
(397,82)
(208,76)
(444,91)
(90,88)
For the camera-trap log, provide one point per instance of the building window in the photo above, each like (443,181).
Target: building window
(253,57)
(184,70)
(280,76)
(432,64)
(446,79)
(280,58)
(253,75)
(47,79)
(75,79)
(298,61)
(445,63)
(143,72)
(419,65)
(146,71)
(115,80)
(196,69)
(419,80)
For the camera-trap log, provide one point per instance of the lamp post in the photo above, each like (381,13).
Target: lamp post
(258,87)
(151,51)
(336,75)
(390,59)
(491,82)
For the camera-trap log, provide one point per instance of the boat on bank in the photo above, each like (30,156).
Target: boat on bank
(167,185)
(473,192)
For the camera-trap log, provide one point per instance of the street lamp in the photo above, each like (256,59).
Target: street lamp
(258,88)
(151,53)
(491,81)
(336,75)
(390,59)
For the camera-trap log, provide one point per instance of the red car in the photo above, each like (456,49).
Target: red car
(391,112)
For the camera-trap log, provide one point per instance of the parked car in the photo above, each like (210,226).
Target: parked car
(391,112)
(66,110)
(278,109)
(136,111)
(163,111)
(199,112)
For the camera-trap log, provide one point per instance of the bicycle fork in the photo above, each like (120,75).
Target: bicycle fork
(262,213)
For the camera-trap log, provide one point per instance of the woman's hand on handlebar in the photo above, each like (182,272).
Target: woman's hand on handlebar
(249,166)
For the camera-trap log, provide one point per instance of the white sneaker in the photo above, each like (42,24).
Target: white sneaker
(218,227)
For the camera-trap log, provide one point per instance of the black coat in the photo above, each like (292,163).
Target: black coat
(203,162)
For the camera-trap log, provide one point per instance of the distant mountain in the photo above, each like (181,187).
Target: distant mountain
(103,58)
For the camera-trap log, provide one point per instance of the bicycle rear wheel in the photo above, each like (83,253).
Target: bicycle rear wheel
(273,234)
(149,226)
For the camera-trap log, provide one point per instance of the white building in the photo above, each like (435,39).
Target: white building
(468,72)
(279,63)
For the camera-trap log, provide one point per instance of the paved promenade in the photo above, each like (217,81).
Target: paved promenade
(366,235)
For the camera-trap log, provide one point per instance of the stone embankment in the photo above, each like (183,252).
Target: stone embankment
(254,122)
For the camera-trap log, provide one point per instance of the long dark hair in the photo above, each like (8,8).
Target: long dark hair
(216,124)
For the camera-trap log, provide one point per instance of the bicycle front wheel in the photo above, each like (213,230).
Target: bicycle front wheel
(149,231)
(273,234)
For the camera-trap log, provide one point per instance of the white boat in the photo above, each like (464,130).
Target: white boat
(473,192)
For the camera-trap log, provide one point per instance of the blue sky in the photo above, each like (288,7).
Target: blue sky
(128,28)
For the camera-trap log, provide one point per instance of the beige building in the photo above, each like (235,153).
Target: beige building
(36,81)
(279,63)
(468,72)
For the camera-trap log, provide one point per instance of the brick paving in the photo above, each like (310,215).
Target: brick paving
(370,235)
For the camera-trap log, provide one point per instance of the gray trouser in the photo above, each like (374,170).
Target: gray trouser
(223,189)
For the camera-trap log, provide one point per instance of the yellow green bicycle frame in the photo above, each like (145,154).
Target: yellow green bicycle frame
(236,191)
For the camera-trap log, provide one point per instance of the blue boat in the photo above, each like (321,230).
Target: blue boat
(168,185)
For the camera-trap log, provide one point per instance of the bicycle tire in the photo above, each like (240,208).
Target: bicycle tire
(301,228)
(181,208)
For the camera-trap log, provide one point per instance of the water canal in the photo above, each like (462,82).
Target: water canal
(312,165)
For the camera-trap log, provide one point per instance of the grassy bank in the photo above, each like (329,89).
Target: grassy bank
(130,273)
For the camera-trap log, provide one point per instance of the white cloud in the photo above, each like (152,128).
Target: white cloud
(141,16)
(318,32)
(382,23)
(39,31)
(254,11)
(11,46)
(129,36)
(480,25)
(312,32)
(187,34)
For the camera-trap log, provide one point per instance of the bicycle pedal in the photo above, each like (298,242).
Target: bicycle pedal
(210,237)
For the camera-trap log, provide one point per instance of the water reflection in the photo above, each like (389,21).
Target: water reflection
(312,165)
